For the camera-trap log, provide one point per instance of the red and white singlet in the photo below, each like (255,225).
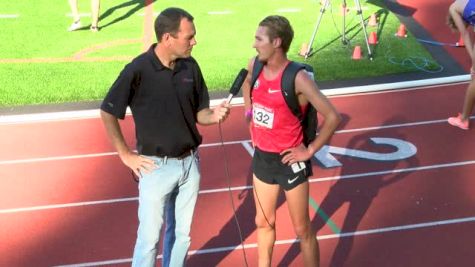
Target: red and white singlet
(274,127)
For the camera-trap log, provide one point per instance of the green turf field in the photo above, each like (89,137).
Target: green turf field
(41,62)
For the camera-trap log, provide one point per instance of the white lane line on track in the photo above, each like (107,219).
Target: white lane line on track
(396,90)
(397,228)
(336,92)
(248,147)
(33,160)
(247,187)
(401,125)
(51,117)
(69,205)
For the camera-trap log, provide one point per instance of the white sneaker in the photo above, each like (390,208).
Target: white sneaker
(76,25)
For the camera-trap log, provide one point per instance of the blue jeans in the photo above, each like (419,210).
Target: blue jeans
(174,178)
(169,237)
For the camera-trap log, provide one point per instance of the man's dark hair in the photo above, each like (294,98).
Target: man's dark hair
(168,21)
(279,27)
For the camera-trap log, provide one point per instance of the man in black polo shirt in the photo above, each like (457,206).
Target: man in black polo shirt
(168,96)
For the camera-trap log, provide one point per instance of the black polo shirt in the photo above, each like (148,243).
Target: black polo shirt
(164,103)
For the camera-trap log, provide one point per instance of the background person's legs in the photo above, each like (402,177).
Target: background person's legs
(95,7)
(463,119)
(73,4)
(468,101)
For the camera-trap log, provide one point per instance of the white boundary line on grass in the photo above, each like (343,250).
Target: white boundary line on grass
(9,16)
(81,15)
(397,228)
(289,10)
(94,113)
(220,12)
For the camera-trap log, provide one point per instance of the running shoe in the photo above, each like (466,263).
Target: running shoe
(457,121)
(76,25)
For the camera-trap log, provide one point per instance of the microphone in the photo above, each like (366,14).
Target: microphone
(237,84)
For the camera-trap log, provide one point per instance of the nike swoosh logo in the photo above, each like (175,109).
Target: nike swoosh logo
(293,180)
(271,91)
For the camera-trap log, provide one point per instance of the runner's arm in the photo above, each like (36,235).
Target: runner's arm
(306,86)
(456,13)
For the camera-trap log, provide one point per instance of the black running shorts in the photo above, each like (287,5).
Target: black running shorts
(268,168)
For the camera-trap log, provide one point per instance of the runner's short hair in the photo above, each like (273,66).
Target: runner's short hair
(279,27)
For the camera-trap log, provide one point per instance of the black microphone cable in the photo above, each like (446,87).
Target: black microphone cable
(232,92)
(228,178)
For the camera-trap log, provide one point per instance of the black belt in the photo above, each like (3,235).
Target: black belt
(182,156)
(185,154)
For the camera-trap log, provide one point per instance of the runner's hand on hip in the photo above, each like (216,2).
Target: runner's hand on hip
(295,154)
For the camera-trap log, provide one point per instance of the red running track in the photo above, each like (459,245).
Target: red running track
(65,198)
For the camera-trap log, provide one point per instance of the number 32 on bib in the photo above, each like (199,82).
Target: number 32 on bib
(263,116)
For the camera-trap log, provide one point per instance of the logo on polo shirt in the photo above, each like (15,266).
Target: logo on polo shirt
(188,80)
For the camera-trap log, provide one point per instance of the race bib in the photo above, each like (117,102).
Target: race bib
(263,116)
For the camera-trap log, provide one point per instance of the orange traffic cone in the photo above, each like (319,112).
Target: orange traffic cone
(357,53)
(303,49)
(373,21)
(373,38)
(460,43)
(401,31)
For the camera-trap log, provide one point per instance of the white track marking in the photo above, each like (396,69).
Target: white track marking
(413,169)
(397,228)
(50,116)
(337,92)
(68,205)
(242,142)
(401,125)
(248,187)
(33,160)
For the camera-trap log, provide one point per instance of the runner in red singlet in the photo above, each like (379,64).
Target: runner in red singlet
(281,160)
